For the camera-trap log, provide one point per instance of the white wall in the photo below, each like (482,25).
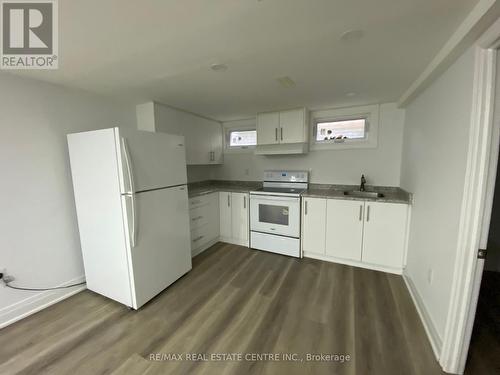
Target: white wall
(39,242)
(381,165)
(433,169)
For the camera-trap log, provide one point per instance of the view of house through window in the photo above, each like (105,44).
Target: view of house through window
(242,138)
(339,131)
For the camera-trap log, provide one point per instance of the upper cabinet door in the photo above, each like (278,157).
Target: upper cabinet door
(344,228)
(216,155)
(268,128)
(385,234)
(293,126)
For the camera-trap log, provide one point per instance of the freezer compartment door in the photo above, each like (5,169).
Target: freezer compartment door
(162,251)
(154,160)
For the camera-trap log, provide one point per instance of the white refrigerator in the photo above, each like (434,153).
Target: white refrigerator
(132,209)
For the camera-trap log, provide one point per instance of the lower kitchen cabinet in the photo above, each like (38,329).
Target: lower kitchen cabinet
(204,222)
(313,225)
(384,233)
(360,233)
(226,232)
(234,217)
(344,234)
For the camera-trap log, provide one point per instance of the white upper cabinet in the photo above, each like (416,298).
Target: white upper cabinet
(384,233)
(288,129)
(203,137)
(268,125)
(314,225)
(293,126)
(344,229)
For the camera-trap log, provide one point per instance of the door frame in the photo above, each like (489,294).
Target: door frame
(475,213)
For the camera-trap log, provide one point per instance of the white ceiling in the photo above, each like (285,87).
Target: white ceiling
(162,50)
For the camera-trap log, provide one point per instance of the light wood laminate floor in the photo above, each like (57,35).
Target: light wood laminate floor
(235,300)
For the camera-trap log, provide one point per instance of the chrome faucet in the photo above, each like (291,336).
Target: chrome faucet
(363,182)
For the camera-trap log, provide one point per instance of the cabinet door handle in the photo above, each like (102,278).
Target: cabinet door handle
(281,129)
(245,202)
(275,134)
(368,214)
(360,212)
(229,200)
(305,208)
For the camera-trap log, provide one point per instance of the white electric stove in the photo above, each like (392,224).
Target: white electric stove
(275,212)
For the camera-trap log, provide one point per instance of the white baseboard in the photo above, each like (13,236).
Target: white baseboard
(397,271)
(37,302)
(429,326)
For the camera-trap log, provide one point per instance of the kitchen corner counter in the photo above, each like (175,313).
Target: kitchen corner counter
(391,194)
(206,187)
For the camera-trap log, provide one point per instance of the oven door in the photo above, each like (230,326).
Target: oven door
(275,215)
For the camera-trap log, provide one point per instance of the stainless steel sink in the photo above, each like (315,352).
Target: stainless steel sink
(364,194)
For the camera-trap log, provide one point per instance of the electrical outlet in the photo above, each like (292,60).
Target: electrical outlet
(430,275)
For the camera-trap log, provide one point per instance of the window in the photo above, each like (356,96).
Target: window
(345,128)
(340,130)
(242,138)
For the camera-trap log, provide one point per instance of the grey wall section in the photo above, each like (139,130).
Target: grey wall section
(39,241)
(433,168)
(381,165)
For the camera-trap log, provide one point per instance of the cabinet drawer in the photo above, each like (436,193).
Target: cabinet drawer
(198,201)
(199,216)
(200,236)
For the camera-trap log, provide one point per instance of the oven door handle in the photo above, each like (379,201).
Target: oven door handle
(274,198)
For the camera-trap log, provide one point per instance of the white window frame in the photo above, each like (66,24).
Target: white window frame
(239,125)
(369,112)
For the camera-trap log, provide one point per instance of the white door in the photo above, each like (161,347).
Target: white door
(344,228)
(225,216)
(384,234)
(314,225)
(268,128)
(292,125)
(162,251)
(239,218)
(156,160)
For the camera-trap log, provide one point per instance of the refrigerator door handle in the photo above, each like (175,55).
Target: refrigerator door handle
(131,194)
(132,228)
(127,163)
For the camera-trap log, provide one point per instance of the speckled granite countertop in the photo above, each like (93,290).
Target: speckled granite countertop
(206,187)
(391,194)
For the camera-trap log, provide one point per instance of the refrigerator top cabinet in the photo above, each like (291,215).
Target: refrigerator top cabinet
(129,190)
